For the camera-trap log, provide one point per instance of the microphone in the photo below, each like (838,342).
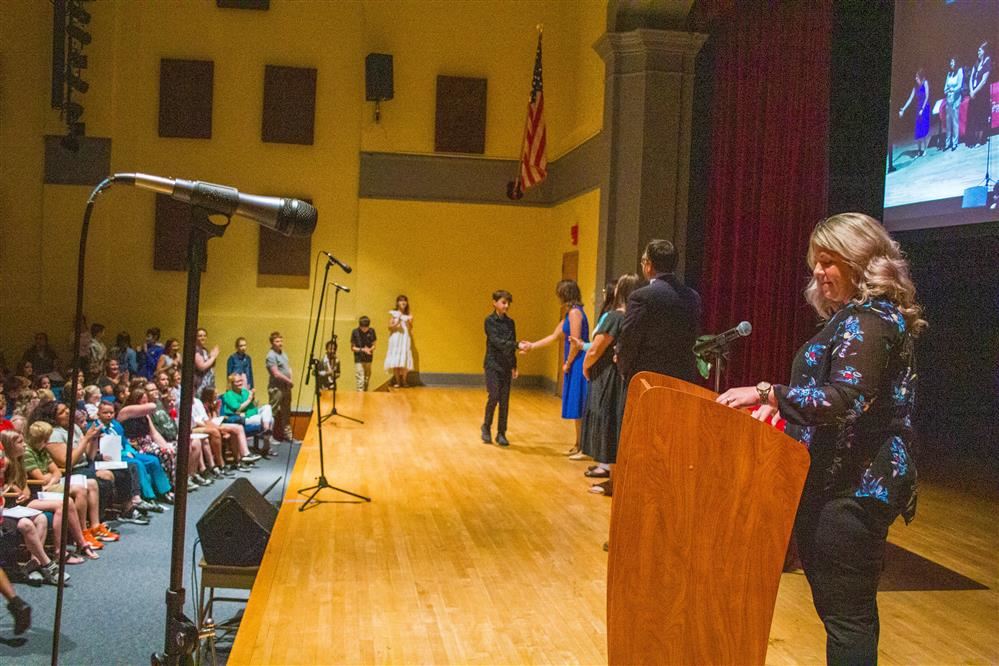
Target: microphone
(723,339)
(289,217)
(345,267)
(341,287)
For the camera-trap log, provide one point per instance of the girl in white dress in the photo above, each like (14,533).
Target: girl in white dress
(399,358)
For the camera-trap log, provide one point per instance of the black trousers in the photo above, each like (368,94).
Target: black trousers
(498,385)
(842,543)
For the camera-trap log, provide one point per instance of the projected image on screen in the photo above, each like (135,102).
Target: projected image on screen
(943,152)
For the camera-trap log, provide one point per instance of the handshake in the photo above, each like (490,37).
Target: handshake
(524,346)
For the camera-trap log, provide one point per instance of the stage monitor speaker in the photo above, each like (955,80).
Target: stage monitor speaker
(378,77)
(975,197)
(235,528)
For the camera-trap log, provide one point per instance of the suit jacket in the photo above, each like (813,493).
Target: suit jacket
(659,330)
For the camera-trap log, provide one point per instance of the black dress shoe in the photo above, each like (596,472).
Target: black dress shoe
(502,440)
(487,437)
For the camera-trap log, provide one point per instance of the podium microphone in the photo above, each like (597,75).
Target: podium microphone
(290,217)
(723,339)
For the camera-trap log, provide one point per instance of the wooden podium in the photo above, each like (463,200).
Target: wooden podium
(704,502)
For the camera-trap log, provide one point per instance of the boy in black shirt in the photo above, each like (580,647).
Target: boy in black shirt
(362,343)
(500,365)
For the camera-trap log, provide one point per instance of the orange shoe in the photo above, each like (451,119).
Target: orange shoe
(92,540)
(103,533)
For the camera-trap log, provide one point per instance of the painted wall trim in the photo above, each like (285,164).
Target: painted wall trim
(478,180)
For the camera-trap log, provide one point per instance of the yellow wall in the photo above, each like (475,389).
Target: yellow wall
(447,257)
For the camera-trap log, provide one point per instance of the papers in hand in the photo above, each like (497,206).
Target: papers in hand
(49,495)
(217,420)
(110,449)
(111,452)
(21,511)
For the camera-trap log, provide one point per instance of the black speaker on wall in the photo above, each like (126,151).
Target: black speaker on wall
(235,528)
(378,77)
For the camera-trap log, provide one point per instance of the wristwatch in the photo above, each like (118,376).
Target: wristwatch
(763,389)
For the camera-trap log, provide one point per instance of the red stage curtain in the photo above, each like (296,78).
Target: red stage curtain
(767,173)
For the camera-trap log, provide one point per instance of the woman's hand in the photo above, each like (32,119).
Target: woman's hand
(524,346)
(586,373)
(742,396)
(576,343)
(565,368)
(767,414)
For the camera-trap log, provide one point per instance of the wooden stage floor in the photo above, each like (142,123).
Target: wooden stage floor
(473,554)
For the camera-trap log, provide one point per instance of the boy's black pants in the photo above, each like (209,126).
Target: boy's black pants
(498,385)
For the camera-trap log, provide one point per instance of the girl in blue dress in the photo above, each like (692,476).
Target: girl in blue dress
(574,384)
(920,94)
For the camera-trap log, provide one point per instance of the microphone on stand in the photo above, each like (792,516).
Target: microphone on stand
(334,260)
(289,217)
(341,287)
(722,340)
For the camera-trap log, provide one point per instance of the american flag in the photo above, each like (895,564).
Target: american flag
(533,158)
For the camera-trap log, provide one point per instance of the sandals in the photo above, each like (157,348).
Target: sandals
(597,472)
(606,488)
(87,552)
(573,451)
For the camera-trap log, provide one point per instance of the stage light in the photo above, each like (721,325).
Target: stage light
(77,60)
(78,34)
(78,13)
(76,83)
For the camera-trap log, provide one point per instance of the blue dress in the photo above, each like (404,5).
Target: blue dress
(574,384)
(922,127)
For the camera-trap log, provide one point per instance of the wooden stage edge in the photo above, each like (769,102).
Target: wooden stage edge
(475,554)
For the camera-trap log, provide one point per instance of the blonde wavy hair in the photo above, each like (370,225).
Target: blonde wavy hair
(877,267)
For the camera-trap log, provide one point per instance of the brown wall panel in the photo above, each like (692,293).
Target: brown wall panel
(461,115)
(186,98)
(289,105)
(173,227)
(281,255)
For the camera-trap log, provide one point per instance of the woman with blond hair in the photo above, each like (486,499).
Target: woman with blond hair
(850,402)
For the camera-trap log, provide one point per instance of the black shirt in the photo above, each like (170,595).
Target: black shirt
(359,338)
(501,343)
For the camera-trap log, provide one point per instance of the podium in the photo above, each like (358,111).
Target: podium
(704,503)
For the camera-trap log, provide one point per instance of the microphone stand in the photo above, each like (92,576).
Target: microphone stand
(717,356)
(314,370)
(333,411)
(181,639)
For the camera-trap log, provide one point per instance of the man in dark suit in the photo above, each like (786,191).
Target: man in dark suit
(661,320)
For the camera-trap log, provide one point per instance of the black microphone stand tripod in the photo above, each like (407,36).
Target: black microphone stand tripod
(321,482)
(333,411)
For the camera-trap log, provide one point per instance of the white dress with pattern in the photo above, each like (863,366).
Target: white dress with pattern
(400,350)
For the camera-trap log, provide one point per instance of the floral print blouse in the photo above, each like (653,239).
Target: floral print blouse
(850,402)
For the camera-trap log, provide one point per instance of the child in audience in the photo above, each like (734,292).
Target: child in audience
(150,353)
(329,370)
(362,343)
(240,363)
(34,529)
(91,398)
(38,465)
